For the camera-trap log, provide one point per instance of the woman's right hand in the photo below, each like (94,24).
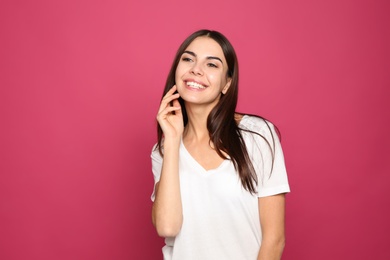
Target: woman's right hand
(170,117)
(167,213)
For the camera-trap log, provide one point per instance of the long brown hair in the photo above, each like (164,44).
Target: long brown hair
(221,123)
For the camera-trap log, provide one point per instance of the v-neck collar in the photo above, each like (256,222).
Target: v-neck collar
(196,163)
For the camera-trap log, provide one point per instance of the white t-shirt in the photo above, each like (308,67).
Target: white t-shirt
(221,218)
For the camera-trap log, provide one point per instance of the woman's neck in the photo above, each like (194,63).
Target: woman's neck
(196,128)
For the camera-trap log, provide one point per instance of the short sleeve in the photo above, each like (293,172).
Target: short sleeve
(267,157)
(156,168)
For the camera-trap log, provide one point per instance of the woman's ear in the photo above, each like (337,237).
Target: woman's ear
(226,88)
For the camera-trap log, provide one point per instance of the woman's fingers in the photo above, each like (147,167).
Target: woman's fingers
(176,104)
(169,115)
(170,92)
(164,113)
(169,97)
(169,104)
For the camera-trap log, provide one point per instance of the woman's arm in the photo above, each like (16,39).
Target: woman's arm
(272,215)
(167,208)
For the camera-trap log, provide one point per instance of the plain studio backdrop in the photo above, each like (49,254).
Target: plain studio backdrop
(80,84)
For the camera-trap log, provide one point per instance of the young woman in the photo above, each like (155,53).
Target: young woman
(220,176)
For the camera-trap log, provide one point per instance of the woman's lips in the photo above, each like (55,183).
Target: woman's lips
(195,85)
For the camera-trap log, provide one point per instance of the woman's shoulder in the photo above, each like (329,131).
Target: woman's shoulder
(254,123)
(258,130)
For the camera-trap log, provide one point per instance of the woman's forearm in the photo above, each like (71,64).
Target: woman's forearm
(271,249)
(167,207)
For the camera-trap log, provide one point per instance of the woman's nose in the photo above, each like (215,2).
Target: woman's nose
(196,69)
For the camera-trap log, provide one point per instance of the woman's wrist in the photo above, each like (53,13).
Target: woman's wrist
(171,142)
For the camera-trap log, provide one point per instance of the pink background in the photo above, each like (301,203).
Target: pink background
(80,83)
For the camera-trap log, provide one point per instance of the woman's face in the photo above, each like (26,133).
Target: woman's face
(201,75)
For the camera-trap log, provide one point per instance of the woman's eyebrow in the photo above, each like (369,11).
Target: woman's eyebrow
(208,57)
(214,58)
(190,53)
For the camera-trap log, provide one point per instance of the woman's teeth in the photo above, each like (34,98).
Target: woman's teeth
(195,85)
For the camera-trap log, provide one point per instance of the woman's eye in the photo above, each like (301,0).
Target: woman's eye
(186,59)
(212,65)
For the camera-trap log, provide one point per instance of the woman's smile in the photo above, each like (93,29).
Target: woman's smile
(191,84)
